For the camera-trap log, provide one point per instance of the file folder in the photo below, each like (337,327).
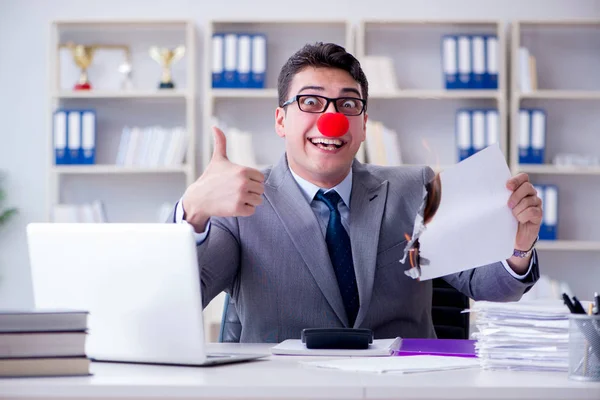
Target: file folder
(88,137)
(60,138)
(478,130)
(244,50)
(524,137)
(550,213)
(230,79)
(74,136)
(464,62)
(450,61)
(478,71)
(259,61)
(463,134)
(492,127)
(218,80)
(491,65)
(538,136)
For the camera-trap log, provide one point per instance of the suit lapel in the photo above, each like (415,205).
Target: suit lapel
(366,211)
(301,224)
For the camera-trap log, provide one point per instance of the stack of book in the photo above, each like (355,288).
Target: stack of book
(43,343)
(522,336)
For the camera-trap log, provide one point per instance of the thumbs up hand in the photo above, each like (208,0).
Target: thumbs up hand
(224,189)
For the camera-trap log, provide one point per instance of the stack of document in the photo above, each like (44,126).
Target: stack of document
(522,336)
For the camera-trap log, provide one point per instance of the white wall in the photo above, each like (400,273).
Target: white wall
(24,26)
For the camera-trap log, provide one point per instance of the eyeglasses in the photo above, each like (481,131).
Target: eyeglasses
(312,103)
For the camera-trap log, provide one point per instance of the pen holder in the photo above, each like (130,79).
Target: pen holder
(584,347)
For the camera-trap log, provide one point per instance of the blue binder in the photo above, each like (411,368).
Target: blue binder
(244,60)
(524,139)
(549,227)
(59,134)
(259,61)
(538,136)
(465,62)
(491,62)
(230,49)
(74,136)
(464,133)
(217,61)
(478,62)
(450,61)
(88,137)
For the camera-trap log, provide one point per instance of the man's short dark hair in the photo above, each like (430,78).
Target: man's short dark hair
(328,55)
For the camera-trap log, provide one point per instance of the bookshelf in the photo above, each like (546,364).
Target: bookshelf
(420,109)
(566,88)
(125,190)
(253,110)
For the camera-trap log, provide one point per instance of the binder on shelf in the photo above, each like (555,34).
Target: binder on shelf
(532,136)
(478,70)
(450,61)
(538,136)
(464,62)
(259,61)
(230,78)
(60,138)
(463,134)
(491,64)
(244,53)
(217,61)
(549,227)
(74,136)
(478,130)
(492,127)
(524,137)
(88,137)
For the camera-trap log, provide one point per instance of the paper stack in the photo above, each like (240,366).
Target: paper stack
(522,336)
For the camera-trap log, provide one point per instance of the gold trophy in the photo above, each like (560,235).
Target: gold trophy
(166,57)
(83,56)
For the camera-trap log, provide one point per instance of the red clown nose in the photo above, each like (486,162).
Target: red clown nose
(333,124)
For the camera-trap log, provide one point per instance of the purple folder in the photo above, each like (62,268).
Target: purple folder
(437,347)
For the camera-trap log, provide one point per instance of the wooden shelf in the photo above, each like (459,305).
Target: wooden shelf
(550,169)
(559,95)
(569,245)
(150,94)
(116,169)
(438,94)
(244,93)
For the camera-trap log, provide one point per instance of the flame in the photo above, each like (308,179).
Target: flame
(425,144)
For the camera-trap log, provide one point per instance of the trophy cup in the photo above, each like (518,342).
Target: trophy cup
(166,57)
(82,55)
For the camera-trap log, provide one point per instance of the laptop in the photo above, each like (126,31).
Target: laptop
(139,282)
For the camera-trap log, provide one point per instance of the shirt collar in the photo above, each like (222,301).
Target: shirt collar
(309,190)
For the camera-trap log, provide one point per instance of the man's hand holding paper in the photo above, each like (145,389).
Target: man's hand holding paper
(484,216)
(527,209)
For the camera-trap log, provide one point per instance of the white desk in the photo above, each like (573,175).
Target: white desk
(283,378)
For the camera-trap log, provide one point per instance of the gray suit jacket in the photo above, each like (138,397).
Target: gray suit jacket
(276,266)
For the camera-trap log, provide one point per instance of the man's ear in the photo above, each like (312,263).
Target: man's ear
(280,122)
(365,126)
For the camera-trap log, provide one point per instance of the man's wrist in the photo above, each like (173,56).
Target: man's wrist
(197,220)
(519,253)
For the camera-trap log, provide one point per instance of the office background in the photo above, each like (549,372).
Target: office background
(25,102)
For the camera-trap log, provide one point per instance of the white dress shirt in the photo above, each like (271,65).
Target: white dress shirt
(309,190)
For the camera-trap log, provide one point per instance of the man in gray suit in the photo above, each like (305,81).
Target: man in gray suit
(315,241)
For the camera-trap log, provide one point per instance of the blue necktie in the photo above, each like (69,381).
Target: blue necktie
(340,252)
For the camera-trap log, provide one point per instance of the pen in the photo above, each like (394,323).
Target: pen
(597,300)
(568,303)
(578,307)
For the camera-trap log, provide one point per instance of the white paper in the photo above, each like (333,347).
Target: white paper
(402,364)
(379,347)
(473,226)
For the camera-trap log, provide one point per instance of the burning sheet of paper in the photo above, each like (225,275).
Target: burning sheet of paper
(474,225)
